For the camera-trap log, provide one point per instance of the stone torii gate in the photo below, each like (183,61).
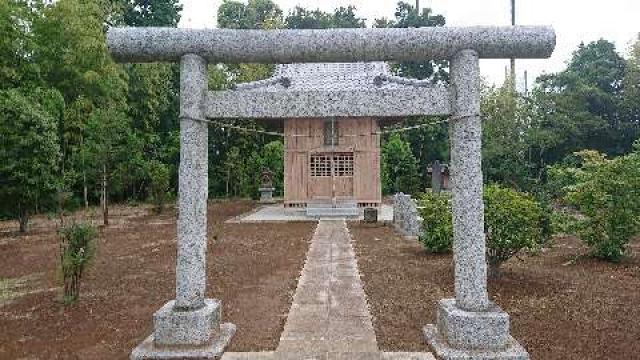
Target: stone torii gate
(468,326)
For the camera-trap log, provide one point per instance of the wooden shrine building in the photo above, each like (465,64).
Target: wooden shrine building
(331,159)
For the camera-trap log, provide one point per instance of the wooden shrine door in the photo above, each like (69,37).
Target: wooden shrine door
(331,176)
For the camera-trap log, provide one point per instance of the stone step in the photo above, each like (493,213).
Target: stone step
(332,212)
(329,204)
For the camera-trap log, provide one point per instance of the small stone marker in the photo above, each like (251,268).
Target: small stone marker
(370,215)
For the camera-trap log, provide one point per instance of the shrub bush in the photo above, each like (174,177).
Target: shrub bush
(77,248)
(608,196)
(513,221)
(437,227)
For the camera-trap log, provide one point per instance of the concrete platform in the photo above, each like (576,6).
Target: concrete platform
(278,213)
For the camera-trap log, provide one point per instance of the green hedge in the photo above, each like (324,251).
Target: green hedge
(513,222)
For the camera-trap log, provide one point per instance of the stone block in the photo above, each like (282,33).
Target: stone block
(370,215)
(444,351)
(266,195)
(212,350)
(472,329)
(173,326)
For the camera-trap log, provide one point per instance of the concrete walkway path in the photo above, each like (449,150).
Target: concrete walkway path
(329,312)
(329,318)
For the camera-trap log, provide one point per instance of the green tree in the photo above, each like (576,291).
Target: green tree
(506,124)
(407,16)
(399,168)
(17,66)
(151,12)
(29,154)
(631,85)
(585,100)
(342,17)
(256,14)
(73,58)
(607,193)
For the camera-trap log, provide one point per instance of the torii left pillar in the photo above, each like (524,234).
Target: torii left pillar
(189,327)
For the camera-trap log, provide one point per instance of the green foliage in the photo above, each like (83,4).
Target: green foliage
(17,68)
(29,153)
(506,125)
(342,17)
(407,16)
(256,14)
(272,158)
(399,168)
(513,222)
(77,249)
(437,232)
(631,85)
(586,101)
(607,193)
(151,12)
(159,176)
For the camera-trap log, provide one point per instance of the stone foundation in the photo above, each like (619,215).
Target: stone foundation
(472,335)
(214,349)
(186,334)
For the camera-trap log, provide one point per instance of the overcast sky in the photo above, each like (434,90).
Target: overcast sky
(575,21)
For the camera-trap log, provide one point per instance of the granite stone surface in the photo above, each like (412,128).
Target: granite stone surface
(472,330)
(466,180)
(193,186)
(266,195)
(191,327)
(368,101)
(469,327)
(406,217)
(213,350)
(330,45)
(443,351)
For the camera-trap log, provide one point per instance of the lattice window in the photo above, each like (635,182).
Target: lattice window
(343,164)
(320,165)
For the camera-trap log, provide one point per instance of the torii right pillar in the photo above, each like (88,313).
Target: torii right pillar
(469,327)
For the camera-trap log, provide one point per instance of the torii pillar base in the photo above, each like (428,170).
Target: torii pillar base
(472,335)
(186,334)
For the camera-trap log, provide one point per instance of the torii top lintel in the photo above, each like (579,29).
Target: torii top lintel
(148,44)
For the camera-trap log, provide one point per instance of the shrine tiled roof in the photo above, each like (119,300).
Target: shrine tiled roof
(330,77)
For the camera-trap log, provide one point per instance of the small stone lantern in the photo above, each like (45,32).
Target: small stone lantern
(266,187)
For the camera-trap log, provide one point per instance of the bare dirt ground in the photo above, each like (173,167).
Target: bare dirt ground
(252,268)
(563,304)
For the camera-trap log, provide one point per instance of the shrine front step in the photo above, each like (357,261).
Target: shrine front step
(328,209)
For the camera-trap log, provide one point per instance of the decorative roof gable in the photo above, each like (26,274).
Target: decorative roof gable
(330,77)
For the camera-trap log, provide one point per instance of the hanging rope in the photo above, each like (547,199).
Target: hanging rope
(239,128)
(389,131)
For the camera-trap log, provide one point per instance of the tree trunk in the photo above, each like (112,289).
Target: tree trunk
(24,220)
(84,190)
(105,200)
(228,179)
(84,177)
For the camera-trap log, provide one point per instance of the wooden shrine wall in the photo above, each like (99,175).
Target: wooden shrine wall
(305,138)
